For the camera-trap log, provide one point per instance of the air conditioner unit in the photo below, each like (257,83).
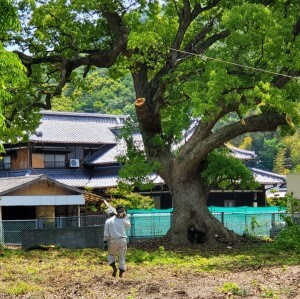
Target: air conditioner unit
(74,163)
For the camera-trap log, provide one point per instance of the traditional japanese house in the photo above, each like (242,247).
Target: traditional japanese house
(79,150)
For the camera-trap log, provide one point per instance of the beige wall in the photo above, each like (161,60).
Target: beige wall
(293,184)
(43,188)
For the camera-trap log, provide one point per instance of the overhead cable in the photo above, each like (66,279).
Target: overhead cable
(204,57)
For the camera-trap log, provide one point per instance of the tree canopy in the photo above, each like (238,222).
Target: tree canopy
(16,116)
(229,66)
(98,92)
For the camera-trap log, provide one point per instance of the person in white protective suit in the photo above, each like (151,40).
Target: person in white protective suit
(115,236)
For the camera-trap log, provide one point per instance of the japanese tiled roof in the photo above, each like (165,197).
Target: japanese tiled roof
(109,154)
(105,177)
(66,127)
(267,178)
(77,128)
(240,153)
(102,177)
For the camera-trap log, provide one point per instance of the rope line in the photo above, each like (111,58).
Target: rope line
(236,64)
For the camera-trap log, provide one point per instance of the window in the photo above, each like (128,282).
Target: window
(5,162)
(55,161)
(229,203)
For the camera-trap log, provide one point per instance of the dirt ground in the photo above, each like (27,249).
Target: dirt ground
(80,274)
(160,282)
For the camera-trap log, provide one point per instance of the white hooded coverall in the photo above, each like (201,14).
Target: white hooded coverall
(115,235)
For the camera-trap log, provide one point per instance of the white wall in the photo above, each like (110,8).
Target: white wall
(293,184)
(42,200)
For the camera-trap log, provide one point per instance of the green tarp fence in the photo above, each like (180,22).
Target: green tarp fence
(257,221)
(215,209)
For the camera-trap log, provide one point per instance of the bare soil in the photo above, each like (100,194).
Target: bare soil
(85,274)
(161,282)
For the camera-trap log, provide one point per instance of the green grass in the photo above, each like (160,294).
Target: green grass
(19,288)
(38,271)
(254,256)
(231,288)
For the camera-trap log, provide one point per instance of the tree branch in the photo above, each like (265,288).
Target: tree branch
(195,153)
(96,58)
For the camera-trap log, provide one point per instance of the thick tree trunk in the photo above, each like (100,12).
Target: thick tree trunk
(192,222)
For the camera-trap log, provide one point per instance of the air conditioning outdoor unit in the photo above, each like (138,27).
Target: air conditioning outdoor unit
(74,163)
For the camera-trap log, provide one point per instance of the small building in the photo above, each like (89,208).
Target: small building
(37,196)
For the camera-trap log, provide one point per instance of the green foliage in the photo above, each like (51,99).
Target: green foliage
(269,293)
(233,288)
(279,162)
(247,142)
(17,120)
(288,239)
(130,200)
(293,151)
(226,172)
(8,17)
(21,288)
(98,92)
(250,232)
(289,202)
(137,170)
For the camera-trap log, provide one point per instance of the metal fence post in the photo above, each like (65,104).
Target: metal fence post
(273,220)
(131,227)
(222,218)
(1,233)
(78,215)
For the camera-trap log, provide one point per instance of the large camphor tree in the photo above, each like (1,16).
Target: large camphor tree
(187,59)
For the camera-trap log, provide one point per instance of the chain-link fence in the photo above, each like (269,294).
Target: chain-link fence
(11,230)
(150,225)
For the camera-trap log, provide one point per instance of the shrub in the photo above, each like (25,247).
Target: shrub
(130,200)
(289,239)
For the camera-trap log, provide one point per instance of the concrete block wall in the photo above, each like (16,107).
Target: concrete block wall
(70,237)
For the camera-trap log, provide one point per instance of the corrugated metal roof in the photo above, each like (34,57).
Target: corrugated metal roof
(76,128)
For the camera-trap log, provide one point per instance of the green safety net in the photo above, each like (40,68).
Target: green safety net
(214,209)
(150,211)
(256,221)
